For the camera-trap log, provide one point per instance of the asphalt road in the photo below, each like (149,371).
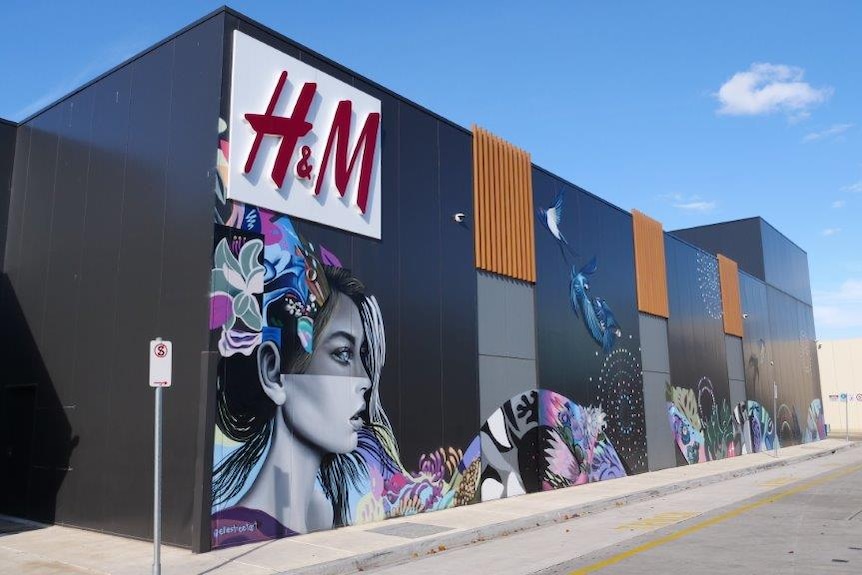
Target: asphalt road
(805,518)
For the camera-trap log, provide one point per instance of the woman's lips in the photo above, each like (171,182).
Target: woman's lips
(356,421)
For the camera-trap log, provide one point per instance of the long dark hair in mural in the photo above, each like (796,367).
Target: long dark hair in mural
(303,442)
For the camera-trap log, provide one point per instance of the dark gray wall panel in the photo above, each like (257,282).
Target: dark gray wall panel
(785,264)
(421,276)
(36,218)
(757,341)
(59,345)
(506,317)
(107,177)
(183,313)
(656,376)
(735,369)
(458,295)
(735,366)
(739,240)
(97,294)
(7,155)
(654,351)
(17,200)
(795,368)
(139,281)
(501,379)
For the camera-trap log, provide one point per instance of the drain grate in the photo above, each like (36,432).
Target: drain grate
(410,530)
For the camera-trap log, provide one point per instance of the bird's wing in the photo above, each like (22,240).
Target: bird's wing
(555,212)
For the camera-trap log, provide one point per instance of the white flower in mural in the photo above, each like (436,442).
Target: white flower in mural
(235,283)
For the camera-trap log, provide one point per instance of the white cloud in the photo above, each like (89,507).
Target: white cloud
(769,88)
(840,308)
(831,231)
(839,204)
(853,188)
(690,203)
(830,132)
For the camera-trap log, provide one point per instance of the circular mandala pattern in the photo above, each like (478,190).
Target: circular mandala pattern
(620,393)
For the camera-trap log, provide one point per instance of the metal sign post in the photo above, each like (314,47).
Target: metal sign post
(161,357)
(847,417)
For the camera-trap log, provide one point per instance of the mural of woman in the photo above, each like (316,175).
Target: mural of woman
(298,401)
(302,442)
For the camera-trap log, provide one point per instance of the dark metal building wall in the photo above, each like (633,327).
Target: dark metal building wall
(785,264)
(779,347)
(421,271)
(695,329)
(757,351)
(739,240)
(570,362)
(108,246)
(8,131)
(795,372)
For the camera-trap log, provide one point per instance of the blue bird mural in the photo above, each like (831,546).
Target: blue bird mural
(597,316)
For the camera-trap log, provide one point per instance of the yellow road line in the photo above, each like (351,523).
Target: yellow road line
(660,520)
(778,481)
(713,521)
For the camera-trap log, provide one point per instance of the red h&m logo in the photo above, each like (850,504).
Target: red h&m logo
(295,126)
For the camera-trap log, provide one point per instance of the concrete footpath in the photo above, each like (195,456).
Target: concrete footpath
(54,550)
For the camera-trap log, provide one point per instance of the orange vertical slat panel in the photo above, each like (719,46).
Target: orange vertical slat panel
(650,265)
(518,224)
(503,204)
(508,196)
(477,191)
(486,206)
(728,274)
(531,221)
(483,192)
(526,215)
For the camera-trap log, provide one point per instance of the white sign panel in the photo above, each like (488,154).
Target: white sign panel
(161,357)
(302,143)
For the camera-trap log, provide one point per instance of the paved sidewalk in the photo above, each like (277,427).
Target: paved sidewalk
(53,549)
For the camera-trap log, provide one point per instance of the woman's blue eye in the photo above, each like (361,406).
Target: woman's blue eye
(343,355)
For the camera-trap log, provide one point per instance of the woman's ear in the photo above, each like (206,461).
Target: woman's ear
(269,372)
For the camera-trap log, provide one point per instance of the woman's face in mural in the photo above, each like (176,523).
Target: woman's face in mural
(324,406)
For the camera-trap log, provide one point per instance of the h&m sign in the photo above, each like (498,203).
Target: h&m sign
(302,143)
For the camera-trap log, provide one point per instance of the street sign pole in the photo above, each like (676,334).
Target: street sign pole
(157,486)
(847,416)
(161,358)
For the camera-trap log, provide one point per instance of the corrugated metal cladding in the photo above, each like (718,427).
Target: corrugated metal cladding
(728,273)
(503,205)
(650,265)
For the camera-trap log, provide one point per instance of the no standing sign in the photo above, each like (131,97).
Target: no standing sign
(161,358)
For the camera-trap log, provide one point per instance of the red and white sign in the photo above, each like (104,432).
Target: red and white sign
(302,143)
(161,359)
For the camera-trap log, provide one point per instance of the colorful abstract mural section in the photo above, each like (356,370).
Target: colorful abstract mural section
(540,440)
(705,431)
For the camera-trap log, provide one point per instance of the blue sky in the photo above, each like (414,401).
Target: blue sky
(691,113)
